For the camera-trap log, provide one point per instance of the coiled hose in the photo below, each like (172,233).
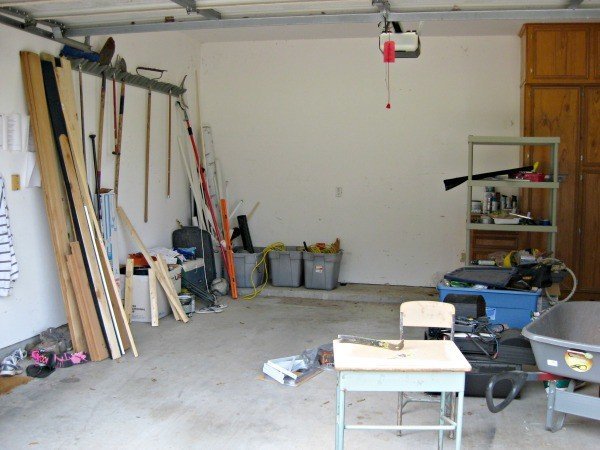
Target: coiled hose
(274,247)
(557,265)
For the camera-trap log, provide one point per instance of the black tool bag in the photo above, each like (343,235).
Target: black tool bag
(186,237)
(538,275)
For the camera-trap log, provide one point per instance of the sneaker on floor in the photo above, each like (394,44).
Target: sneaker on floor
(10,365)
(45,363)
(209,310)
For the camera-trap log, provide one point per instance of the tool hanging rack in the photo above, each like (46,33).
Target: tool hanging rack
(93,68)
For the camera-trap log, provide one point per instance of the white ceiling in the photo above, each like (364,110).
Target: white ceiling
(92,12)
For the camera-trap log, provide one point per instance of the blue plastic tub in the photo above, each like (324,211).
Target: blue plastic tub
(513,308)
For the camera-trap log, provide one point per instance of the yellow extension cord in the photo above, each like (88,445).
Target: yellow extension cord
(274,247)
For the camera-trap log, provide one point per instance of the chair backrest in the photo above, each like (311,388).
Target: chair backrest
(434,314)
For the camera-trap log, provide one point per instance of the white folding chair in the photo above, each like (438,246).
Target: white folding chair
(434,314)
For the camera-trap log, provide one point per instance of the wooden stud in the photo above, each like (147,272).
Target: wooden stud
(128,289)
(163,278)
(164,268)
(153,299)
(91,324)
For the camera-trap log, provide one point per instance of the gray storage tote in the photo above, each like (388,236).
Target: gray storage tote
(285,267)
(321,270)
(244,264)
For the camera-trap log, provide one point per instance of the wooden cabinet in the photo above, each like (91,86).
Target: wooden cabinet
(561,97)
(557,52)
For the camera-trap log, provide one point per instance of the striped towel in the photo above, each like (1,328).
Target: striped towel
(9,270)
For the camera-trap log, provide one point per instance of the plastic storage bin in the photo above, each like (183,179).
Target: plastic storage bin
(513,308)
(244,264)
(321,270)
(285,267)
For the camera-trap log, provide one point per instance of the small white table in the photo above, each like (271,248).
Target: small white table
(421,366)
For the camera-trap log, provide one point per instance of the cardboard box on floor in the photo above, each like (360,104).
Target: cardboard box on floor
(141,295)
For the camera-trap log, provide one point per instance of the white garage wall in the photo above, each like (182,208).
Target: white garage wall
(292,120)
(36,301)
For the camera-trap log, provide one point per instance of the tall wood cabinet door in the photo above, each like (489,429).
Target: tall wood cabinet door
(596,50)
(588,272)
(555,111)
(591,127)
(558,53)
(589,244)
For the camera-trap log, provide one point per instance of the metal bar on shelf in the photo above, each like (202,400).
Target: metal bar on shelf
(517,140)
(401,427)
(514,184)
(527,228)
(93,68)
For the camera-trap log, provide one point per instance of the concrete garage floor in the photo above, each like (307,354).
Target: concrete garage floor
(200,386)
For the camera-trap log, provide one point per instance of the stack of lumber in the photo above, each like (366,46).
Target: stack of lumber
(95,314)
(158,269)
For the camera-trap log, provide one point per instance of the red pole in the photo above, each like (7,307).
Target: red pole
(204,185)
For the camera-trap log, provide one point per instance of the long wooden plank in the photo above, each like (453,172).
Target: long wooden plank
(164,281)
(172,296)
(107,313)
(65,84)
(87,310)
(74,195)
(153,298)
(129,289)
(59,220)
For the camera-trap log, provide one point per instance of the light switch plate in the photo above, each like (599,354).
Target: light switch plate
(16,182)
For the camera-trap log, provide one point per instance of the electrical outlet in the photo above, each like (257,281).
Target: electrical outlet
(463,257)
(338,191)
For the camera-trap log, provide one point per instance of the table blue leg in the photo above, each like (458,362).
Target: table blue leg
(459,418)
(442,414)
(339,424)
